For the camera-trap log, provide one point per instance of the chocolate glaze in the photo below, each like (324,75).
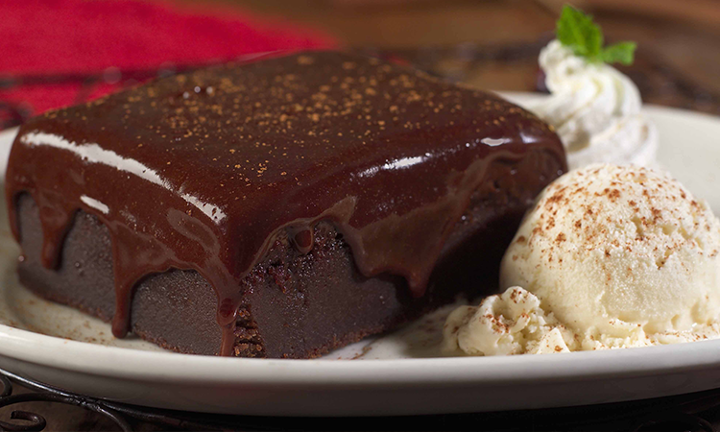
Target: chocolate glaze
(302,238)
(202,171)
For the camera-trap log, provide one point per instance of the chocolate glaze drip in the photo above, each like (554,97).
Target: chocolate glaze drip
(201,171)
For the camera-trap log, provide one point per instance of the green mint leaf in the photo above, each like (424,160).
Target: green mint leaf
(623,52)
(577,31)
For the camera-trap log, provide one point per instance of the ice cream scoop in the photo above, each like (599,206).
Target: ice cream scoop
(610,256)
(595,110)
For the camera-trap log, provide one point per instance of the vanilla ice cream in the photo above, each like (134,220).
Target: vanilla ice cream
(610,257)
(595,110)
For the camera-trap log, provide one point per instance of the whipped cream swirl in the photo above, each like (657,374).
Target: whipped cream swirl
(596,111)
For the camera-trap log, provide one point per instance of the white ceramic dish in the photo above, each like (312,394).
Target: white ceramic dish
(385,376)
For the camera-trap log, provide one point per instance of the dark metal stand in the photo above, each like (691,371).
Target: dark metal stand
(36,422)
(116,412)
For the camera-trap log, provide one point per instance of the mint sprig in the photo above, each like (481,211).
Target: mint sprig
(577,31)
(621,52)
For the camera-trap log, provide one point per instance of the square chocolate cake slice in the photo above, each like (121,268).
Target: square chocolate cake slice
(281,208)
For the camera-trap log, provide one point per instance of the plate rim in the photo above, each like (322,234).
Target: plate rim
(171,366)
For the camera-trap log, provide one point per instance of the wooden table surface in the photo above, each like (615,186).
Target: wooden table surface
(492,44)
(683,35)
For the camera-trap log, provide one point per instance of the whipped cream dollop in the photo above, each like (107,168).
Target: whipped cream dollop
(595,110)
(610,257)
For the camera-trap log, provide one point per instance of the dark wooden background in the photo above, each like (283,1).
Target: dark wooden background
(676,37)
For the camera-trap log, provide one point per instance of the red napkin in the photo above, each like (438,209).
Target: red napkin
(70,39)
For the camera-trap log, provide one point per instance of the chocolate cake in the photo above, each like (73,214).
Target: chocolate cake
(281,208)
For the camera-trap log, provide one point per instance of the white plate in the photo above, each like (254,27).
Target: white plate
(62,347)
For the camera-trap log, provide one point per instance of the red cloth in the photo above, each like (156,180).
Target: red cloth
(49,37)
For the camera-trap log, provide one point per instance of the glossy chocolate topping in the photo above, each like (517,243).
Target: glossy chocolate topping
(201,171)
